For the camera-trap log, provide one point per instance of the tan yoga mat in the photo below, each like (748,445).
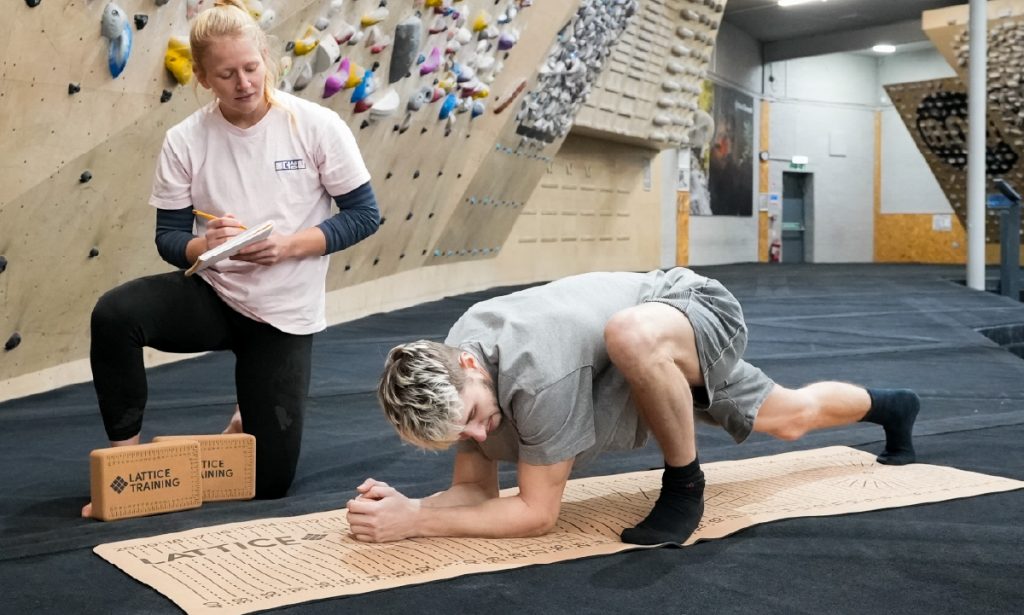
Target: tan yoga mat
(266,563)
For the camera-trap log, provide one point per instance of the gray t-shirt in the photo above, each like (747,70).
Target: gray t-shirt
(559,395)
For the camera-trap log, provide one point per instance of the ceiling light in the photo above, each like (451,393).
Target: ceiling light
(785,3)
(884,48)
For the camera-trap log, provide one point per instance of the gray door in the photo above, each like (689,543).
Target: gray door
(793,220)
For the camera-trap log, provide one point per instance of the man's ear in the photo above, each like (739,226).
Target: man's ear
(467,361)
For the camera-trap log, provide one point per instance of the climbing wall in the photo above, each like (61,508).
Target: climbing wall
(487,210)
(935,114)
(650,90)
(82,142)
(948,30)
(462,110)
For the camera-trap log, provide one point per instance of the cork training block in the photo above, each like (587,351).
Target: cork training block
(228,465)
(145,479)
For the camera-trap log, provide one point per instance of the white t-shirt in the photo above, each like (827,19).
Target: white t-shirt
(285,169)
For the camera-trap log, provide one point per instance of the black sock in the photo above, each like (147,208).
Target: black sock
(678,510)
(895,410)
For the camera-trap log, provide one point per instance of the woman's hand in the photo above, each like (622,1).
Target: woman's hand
(221,229)
(273,249)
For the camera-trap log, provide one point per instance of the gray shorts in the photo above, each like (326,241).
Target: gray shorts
(733,389)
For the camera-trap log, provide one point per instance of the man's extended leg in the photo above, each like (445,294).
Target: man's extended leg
(654,347)
(788,414)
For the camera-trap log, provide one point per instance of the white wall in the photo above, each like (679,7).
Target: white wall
(908,185)
(720,240)
(824,108)
(737,60)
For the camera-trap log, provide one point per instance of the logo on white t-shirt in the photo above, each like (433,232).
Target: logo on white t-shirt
(289,165)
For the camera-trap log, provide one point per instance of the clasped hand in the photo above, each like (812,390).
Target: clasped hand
(267,252)
(380,513)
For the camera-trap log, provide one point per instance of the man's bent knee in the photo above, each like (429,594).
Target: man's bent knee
(629,336)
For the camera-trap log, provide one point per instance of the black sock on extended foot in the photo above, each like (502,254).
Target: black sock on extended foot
(895,410)
(678,510)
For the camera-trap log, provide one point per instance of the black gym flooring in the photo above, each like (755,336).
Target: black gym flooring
(876,325)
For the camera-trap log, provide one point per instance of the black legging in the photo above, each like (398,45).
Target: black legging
(174,313)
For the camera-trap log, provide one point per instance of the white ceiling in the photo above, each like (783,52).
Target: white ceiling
(827,27)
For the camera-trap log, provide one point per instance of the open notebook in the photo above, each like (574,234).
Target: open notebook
(231,247)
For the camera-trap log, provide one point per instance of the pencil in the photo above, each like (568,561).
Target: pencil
(203,214)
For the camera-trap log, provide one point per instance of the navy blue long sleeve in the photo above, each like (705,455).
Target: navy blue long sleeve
(357,219)
(173,232)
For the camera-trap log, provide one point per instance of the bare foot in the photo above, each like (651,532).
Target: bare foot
(235,425)
(87,510)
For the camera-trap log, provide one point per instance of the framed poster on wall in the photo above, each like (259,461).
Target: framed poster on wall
(731,156)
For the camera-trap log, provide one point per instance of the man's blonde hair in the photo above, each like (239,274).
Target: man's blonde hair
(231,19)
(419,392)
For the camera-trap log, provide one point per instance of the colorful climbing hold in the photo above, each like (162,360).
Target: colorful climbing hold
(481,21)
(364,89)
(507,40)
(336,81)
(114,27)
(307,42)
(431,63)
(355,75)
(165,96)
(74,88)
(141,21)
(84,177)
(344,33)
(13,341)
(178,59)
(374,17)
(447,106)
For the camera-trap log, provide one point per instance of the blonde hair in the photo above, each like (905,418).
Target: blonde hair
(419,392)
(231,19)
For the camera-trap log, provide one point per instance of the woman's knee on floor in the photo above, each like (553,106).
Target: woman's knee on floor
(273,486)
